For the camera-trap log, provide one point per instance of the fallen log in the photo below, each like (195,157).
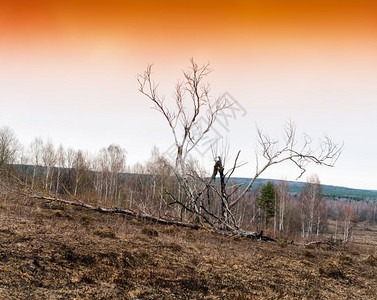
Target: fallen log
(103,210)
(117,211)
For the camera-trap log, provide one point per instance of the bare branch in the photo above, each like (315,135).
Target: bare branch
(327,155)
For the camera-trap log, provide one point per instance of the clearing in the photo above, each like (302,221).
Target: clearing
(54,251)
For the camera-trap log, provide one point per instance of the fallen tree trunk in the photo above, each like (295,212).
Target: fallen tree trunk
(117,211)
(104,210)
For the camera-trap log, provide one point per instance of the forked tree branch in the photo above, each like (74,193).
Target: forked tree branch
(327,155)
(192,116)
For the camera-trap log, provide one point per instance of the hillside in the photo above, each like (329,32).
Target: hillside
(330,191)
(50,251)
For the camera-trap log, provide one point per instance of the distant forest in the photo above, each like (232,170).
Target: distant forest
(329,191)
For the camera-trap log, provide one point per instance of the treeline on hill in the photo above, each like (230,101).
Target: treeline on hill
(100,179)
(329,191)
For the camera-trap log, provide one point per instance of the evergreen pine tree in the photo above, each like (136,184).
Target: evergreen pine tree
(267,200)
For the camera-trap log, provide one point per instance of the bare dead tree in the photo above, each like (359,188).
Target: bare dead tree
(326,154)
(190,120)
(194,110)
(192,105)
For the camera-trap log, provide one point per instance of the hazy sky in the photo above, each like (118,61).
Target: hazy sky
(68,72)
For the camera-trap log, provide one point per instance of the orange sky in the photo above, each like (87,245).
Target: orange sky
(63,24)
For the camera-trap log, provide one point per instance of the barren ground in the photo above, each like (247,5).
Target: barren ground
(50,251)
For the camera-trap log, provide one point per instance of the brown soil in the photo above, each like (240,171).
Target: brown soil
(50,251)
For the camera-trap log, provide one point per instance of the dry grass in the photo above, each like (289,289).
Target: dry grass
(50,251)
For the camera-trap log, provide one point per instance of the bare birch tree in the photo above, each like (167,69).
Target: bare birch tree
(282,203)
(349,221)
(61,164)
(36,148)
(8,146)
(313,207)
(49,160)
(117,165)
(161,173)
(23,160)
(79,167)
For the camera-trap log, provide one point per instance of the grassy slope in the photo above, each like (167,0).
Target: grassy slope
(60,252)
